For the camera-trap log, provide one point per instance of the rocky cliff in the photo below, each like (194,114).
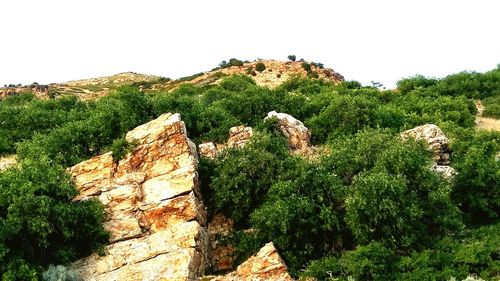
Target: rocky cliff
(155,213)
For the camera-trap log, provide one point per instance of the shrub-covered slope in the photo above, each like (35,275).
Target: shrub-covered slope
(368,206)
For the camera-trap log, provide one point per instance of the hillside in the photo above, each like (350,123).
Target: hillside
(275,73)
(223,176)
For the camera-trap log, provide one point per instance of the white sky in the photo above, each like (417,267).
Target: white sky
(56,41)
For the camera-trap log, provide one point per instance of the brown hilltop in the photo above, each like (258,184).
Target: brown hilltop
(274,74)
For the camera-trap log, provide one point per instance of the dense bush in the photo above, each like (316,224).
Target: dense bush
(476,188)
(260,67)
(39,223)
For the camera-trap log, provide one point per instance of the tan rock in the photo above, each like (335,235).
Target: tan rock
(93,176)
(222,254)
(265,265)
(7,162)
(239,136)
(435,139)
(297,135)
(446,171)
(208,150)
(154,211)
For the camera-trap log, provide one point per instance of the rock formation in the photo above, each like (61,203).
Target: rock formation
(154,208)
(221,254)
(439,145)
(239,136)
(208,150)
(265,265)
(7,162)
(436,140)
(297,135)
(446,171)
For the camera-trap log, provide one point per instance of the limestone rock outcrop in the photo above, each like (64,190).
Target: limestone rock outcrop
(438,143)
(239,136)
(154,210)
(297,135)
(208,150)
(446,171)
(265,265)
(436,140)
(7,162)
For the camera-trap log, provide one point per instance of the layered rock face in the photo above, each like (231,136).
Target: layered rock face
(265,265)
(154,209)
(438,143)
(436,140)
(297,135)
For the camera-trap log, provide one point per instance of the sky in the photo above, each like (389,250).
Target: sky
(364,40)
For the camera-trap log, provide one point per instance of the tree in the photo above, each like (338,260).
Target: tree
(260,67)
(292,57)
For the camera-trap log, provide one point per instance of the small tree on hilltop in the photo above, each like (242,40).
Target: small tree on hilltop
(292,57)
(260,67)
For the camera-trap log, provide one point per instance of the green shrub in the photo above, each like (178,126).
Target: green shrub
(120,148)
(60,273)
(243,176)
(302,214)
(235,62)
(476,189)
(292,57)
(306,66)
(260,67)
(492,106)
(312,74)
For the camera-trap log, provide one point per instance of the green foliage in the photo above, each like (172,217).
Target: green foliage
(306,66)
(60,273)
(473,252)
(492,105)
(243,176)
(344,115)
(36,208)
(120,148)
(476,188)
(190,77)
(302,213)
(292,57)
(413,83)
(260,67)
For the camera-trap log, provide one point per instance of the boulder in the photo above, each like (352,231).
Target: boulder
(7,162)
(265,265)
(434,138)
(208,150)
(297,135)
(239,136)
(446,171)
(154,210)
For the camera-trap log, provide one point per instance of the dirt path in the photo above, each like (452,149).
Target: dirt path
(485,123)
